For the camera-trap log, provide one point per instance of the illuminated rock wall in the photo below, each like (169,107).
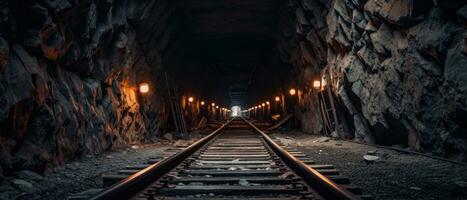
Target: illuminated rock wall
(69,72)
(398,67)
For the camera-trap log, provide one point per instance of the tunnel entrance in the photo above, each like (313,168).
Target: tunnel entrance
(236,111)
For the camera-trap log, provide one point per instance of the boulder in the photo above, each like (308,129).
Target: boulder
(403,13)
(371,158)
(455,68)
(4,51)
(168,136)
(28,175)
(462,15)
(24,186)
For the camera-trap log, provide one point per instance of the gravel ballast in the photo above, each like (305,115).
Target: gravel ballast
(76,176)
(394,175)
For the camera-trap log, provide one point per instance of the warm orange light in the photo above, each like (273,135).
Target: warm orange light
(202,103)
(267,102)
(144,88)
(263,104)
(259,106)
(213,104)
(217,107)
(191,99)
(292,92)
(256,107)
(277,99)
(316,85)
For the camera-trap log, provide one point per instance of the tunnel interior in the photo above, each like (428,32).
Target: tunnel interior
(380,72)
(229,52)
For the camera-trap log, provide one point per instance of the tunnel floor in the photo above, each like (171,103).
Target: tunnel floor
(394,176)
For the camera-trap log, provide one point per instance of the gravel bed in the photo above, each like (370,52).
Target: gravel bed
(76,176)
(394,176)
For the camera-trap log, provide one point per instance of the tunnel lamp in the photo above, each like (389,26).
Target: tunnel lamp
(202,103)
(277,99)
(292,92)
(267,103)
(144,88)
(263,104)
(217,107)
(190,99)
(259,106)
(316,85)
(256,107)
(213,104)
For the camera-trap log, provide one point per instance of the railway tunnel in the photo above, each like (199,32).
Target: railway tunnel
(372,87)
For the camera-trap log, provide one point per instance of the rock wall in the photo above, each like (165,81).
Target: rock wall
(398,67)
(69,72)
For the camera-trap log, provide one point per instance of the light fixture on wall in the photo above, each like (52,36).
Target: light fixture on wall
(191,99)
(277,99)
(143,88)
(317,85)
(292,92)
(202,103)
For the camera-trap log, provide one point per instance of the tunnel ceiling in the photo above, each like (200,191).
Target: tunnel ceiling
(228,46)
(214,18)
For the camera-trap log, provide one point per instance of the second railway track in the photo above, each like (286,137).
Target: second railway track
(237,161)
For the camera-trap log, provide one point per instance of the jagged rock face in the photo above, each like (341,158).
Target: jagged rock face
(398,67)
(69,72)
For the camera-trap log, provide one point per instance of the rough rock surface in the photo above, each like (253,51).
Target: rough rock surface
(397,68)
(69,72)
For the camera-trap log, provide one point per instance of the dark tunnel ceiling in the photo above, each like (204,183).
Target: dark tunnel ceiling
(217,18)
(230,53)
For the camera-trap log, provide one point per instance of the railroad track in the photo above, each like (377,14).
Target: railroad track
(237,161)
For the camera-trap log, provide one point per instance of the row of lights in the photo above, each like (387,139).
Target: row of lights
(144,88)
(292,92)
(192,99)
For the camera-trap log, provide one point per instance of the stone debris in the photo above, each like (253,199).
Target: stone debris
(416,188)
(322,139)
(243,182)
(286,174)
(462,184)
(168,136)
(371,158)
(24,185)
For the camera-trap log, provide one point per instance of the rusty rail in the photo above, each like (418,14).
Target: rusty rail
(135,183)
(323,185)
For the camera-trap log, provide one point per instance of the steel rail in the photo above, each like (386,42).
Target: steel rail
(135,183)
(323,185)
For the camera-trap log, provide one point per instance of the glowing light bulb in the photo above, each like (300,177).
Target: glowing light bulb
(191,99)
(277,99)
(267,102)
(202,103)
(292,92)
(316,85)
(144,88)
